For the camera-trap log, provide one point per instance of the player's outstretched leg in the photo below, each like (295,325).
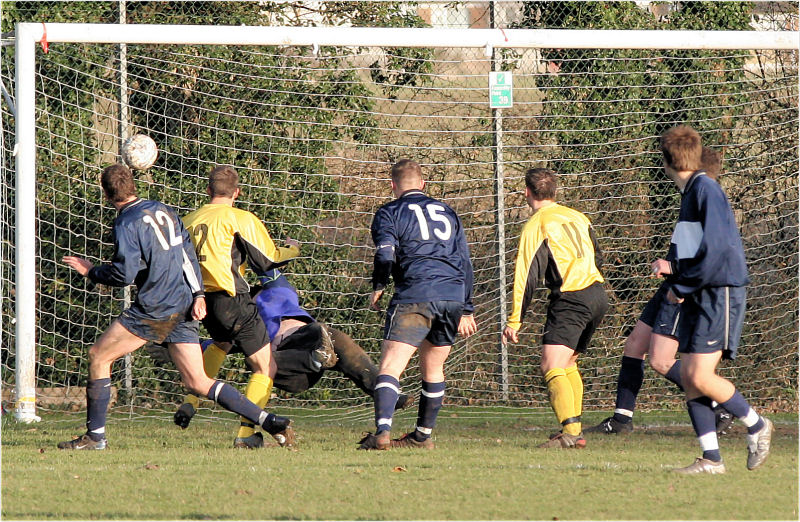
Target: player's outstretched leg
(315,341)
(356,365)
(229,398)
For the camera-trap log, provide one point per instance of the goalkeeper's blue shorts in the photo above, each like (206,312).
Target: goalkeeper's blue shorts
(276,303)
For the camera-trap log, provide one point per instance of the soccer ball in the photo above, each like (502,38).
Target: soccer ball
(139,152)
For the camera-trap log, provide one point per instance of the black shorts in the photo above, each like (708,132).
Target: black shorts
(573,317)
(235,320)
(711,320)
(661,315)
(434,321)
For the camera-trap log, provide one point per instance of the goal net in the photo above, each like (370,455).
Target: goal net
(312,131)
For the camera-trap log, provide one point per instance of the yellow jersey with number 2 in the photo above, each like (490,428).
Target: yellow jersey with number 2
(227,240)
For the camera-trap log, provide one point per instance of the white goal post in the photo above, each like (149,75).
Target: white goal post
(30,35)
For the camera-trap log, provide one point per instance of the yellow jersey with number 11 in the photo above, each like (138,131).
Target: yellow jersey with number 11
(558,247)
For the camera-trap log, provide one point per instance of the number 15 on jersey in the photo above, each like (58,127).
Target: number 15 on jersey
(436,214)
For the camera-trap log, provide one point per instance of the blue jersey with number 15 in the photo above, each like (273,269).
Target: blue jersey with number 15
(421,243)
(152,250)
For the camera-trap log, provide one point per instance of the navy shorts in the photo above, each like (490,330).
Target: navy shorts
(235,320)
(711,320)
(573,317)
(413,323)
(661,315)
(177,328)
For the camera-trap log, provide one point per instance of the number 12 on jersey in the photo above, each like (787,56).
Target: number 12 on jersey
(163,219)
(435,213)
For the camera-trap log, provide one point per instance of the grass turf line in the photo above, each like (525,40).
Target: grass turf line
(482,469)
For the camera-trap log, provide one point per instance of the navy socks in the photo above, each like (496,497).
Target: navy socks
(98,395)
(629,382)
(430,402)
(387,389)
(703,421)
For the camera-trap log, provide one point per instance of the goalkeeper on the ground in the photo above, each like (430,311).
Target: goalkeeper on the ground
(304,349)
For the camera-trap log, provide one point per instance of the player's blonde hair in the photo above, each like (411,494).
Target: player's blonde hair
(223,181)
(682,148)
(406,172)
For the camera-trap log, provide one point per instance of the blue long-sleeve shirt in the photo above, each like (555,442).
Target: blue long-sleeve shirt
(706,248)
(421,244)
(152,250)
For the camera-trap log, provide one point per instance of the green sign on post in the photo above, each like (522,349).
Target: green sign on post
(500,90)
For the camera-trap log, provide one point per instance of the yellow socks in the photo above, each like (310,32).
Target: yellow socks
(562,400)
(213,357)
(576,381)
(258,391)
(192,399)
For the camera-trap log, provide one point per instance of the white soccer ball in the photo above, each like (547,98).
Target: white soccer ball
(139,152)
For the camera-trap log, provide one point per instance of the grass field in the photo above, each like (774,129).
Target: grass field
(481,469)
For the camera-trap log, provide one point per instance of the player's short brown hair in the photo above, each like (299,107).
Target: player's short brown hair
(223,181)
(711,162)
(542,183)
(117,182)
(406,171)
(682,148)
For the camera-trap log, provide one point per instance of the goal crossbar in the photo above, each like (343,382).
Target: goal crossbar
(412,37)
(28,35)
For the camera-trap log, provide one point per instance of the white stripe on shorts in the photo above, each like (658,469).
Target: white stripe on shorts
(727,317)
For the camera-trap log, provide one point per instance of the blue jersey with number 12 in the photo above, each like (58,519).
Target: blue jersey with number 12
(421,243)
(152,250)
